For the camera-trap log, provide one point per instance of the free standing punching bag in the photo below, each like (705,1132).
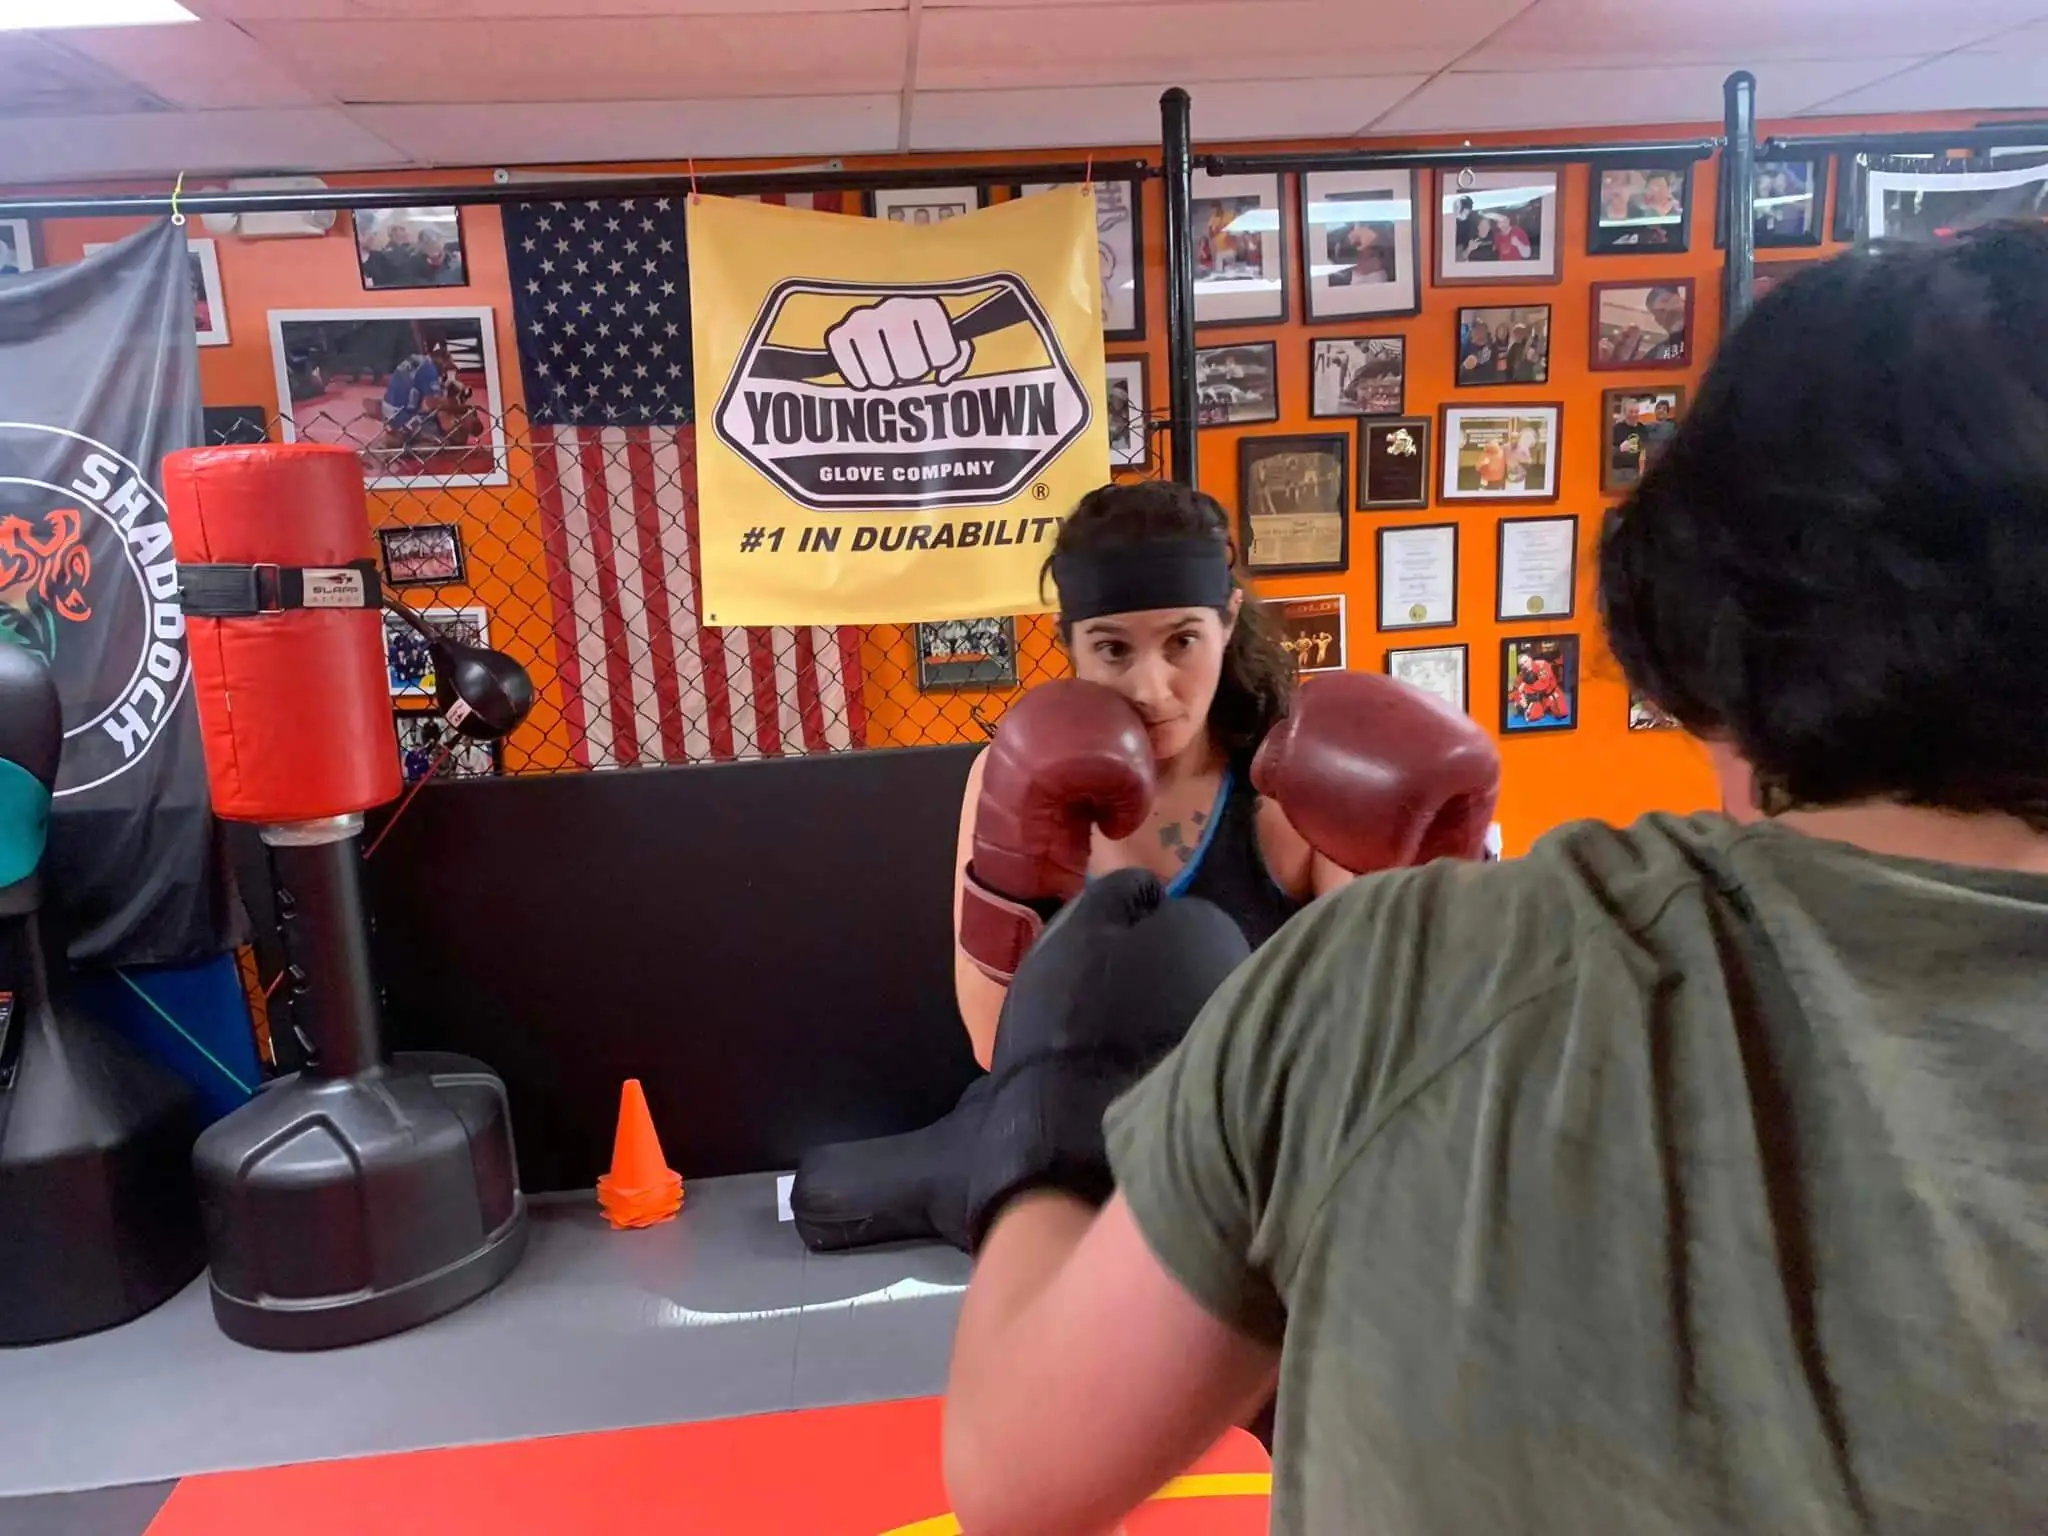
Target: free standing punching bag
(98,1223)
(367,1193)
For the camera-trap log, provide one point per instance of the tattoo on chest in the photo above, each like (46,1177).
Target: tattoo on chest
(1174,835)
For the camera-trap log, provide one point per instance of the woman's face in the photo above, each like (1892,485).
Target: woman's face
(1166,661)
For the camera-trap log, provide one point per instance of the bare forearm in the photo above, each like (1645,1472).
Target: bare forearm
(1072,1400)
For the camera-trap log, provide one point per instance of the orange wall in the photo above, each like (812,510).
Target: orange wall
(1601,769)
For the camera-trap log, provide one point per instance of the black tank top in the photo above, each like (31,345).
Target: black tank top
(1228,867)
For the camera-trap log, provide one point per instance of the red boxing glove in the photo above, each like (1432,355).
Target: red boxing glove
(1378,775)
(1069,756)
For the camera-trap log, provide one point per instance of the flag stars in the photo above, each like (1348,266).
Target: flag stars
(576,225)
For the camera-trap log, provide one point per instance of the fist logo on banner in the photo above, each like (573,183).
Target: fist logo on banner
(897,408)
(903,412)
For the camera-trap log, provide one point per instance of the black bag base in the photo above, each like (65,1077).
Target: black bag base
(98,1221)
(344,1209)
(910,1188)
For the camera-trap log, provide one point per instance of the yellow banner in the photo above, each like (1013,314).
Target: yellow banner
(891,418)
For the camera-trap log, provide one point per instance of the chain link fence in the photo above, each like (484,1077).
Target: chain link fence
(574,551)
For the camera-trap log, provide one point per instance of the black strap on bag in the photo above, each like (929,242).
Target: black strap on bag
(247,591)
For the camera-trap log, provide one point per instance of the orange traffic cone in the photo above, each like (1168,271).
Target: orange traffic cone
(641,1190)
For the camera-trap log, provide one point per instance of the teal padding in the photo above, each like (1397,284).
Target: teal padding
(24,822)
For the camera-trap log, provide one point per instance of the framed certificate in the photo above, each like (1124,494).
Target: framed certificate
(1537,577)
(1292,503)
(1442,671)
(1418,577)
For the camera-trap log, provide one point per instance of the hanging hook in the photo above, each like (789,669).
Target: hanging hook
(1088,174)
(694,198)
(177,191)
(1466,179)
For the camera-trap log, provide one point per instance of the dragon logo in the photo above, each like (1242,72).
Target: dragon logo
(44,570)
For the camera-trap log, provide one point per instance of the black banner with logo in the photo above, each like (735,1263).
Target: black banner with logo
(99,379)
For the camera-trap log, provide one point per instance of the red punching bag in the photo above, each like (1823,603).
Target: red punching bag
(285,629)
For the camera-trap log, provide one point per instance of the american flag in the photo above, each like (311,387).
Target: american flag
(601,298)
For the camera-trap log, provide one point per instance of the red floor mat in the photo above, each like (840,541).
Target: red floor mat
(866,1471)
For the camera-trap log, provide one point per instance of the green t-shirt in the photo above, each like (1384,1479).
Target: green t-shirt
(1687,1178)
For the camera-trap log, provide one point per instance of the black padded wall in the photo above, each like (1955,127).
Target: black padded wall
(767,946)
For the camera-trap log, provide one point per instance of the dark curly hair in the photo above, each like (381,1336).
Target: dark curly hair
(1839,564)
(1257,685)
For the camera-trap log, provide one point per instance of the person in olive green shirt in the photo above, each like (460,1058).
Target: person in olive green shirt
(1690,1177)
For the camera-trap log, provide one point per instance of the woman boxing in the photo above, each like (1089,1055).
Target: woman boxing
(1150,608)
(1181,747)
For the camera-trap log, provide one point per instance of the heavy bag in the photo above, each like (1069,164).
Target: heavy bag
(285,628)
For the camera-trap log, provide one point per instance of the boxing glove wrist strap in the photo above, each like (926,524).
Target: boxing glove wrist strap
(996,931)
(245,591)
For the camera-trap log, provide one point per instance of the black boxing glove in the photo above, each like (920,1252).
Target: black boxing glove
(1109,988)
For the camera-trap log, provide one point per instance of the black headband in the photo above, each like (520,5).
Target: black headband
(1134,578)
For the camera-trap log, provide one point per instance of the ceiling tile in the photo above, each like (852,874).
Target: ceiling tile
(1129,114)
(432,10)
(1592,98)
(164,143)
(1565,34)
(1960,82)
(212,64)
(1112,44)
(40,77)
(596,59)
(584,132)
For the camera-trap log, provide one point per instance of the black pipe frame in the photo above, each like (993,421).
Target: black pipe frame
(1796,146)
(1649,151)
(1183,389)
(1738,202)
(718,183)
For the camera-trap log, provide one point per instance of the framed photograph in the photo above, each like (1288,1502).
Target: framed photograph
(1497,227)
(17,247)
(1646,716)
(422,555)
(1536,569)
(1939,199)
(1642,325)
(1357,375)
(1539,684)
(422,734)
(953,654)
(415,391)
(1500,452)
(1120,246)
(1237,386)
(1361,245)
(1503,345)
(1311,631)
(1851,191)
(1240,272)
(1638,423)
(925,205)
(230,424)
(1393,464)
(1292,512)
(1442,671)
(410,248)
(1786,198)
(1638,210)
(1124,403)
(1418,577)
(209,306)
(408,661)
